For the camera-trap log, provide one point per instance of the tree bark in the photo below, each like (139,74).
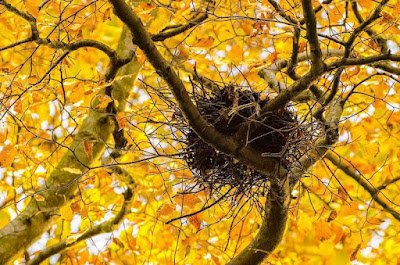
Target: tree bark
(272,228)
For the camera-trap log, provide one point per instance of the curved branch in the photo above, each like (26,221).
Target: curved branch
(277,205)
(104,227)
(168,33)
(272,228)
(112,54)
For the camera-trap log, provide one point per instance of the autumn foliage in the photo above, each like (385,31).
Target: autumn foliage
(182,132)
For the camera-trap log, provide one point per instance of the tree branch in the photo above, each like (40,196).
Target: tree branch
(38,216)
(312,35)
(374,192)
(104,227)
(269,73)
(365,23)
(363,60)
(379,39)
(168,33)
(272,228)
(206,132)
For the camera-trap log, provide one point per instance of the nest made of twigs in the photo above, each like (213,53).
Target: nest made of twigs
(228,109)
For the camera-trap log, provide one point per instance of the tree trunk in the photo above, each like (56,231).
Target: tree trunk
(39,216)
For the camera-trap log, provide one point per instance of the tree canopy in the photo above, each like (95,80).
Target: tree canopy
(199,132)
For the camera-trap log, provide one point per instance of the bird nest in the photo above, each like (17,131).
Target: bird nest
(232,110)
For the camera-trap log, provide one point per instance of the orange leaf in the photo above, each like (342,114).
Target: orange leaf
(273,56)
(118,242)
(338,232)
(342,194)
(373,45)
(75,207)
(302,46)
(387,17)
(36,97)
(247,27)
(104,100)
(204,42)
(166,209)
(322,231)
(121,120)
(189,200)
(354,72)
(353,255)
(107,14)
(195,221)
(88,146)
(32,8)
(332,216)
(7,156)
(18,106)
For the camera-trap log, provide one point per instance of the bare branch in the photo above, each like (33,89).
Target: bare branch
(171,32)
(312,35)
(387,183)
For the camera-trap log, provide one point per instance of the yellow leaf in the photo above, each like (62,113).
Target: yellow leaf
(93,194)
(72,170)
(72,238)
(304,223)
(66,213)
